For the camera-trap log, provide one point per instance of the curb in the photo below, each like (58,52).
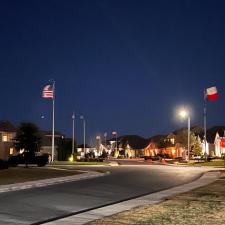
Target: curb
(114,163)
(157,197)
(52,181)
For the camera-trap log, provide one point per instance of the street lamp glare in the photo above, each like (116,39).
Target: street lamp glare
(183,113)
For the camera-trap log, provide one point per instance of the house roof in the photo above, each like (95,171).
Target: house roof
(6,126)
(135,141)
(49,134)
(46,137)
(211,133)
(171,135)
(157,138)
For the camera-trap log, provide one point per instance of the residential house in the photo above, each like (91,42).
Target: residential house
(164,145)
(219,143)
(152,149)
(215,145)
(131,146)
(46,147)
(7,135)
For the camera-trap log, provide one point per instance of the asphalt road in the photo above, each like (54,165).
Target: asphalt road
(39,204)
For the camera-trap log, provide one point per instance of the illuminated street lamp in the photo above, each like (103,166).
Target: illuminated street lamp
(185,114)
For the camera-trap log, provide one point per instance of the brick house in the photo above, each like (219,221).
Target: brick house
(7,135)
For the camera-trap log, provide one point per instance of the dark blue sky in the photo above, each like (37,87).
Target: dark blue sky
(125,65)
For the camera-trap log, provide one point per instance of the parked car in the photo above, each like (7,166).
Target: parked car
(39,160)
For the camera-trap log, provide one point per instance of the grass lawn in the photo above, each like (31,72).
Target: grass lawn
(202,206)
(20,174)
(219,163)
(75,163)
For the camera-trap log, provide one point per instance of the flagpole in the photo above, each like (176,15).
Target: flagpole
(84,137)
(205,123)
(53,122)
(73,142)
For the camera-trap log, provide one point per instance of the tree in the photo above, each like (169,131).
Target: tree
(182,138)
(197,147)
(65,149)
(28,138)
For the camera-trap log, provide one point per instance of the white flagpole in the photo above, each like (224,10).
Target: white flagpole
(205,123)
(84,137)
(53,122)
(73,142)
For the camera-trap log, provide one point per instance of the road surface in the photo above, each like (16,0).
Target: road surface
(127,181)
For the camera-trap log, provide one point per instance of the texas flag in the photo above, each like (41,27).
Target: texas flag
(212,94)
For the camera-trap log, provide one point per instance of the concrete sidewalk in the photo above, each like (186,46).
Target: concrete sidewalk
(52,181)
(157,197)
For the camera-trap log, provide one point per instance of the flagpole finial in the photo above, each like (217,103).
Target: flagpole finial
(51,80)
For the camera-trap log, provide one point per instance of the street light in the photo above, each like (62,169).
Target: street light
(185,114)
(105,136)
(84,130)
(114,133)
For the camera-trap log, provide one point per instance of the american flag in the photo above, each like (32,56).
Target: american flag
(48,91)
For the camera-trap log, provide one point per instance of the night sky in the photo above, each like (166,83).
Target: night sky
(124,65)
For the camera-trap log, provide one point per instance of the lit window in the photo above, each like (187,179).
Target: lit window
(172,141)
(11,151)
(4,138)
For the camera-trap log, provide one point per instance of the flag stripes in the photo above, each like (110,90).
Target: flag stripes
(48,92)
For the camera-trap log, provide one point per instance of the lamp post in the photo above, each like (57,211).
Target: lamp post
(114,133)
(84,135)
(185,114)
(105,136)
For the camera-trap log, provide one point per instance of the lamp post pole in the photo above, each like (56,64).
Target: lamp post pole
(105,136)
(185,114)
(114,133)
(189,132)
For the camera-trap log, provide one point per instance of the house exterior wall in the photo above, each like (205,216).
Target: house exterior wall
(211,149)
(173,152)
(6,145)
(151,150)
(219,145)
